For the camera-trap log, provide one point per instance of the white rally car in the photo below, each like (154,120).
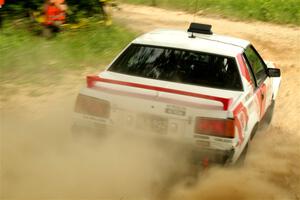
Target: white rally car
(210,90)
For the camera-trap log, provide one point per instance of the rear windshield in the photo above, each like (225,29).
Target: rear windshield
(178,65)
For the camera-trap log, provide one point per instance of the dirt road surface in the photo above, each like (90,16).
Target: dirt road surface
(39,160)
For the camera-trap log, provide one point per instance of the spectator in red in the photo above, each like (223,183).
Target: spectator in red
(55,16)
(1,3)
(1,17)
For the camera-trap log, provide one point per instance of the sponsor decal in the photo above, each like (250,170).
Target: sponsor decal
(241,119)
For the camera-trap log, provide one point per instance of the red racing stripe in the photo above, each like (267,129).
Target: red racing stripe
(92,79)
(240,109)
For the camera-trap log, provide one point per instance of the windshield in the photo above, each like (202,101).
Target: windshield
(178,65)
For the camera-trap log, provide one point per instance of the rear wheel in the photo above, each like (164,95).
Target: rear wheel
(242,158)
(240,161)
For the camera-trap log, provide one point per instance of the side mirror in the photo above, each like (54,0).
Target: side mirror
(273,72)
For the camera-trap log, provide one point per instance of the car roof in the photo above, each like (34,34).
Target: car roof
(215,44)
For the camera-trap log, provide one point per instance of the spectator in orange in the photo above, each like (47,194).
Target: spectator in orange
(1,17)
(55,16)
(1,3)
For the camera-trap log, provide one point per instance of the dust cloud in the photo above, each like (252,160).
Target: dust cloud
(271,171)
(40,159)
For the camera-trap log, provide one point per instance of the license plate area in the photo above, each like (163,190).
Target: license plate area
(152,123)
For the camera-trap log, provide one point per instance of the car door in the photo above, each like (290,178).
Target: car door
(262,81)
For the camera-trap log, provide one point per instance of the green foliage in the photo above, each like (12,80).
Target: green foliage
(16,9)
(278,11)
(77,9)
(28,58)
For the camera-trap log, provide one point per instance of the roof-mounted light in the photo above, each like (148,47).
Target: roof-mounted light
(200,28)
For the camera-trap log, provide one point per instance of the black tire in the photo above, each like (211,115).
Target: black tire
(267,119)
(254,130)
(241,160)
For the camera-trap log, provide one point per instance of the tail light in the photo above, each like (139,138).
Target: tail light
(215,127)
(92,106)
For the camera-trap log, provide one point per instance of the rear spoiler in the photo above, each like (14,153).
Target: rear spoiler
(91,80)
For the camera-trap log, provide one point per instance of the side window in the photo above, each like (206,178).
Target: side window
(256,63)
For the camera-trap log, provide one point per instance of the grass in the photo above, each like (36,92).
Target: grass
(28,58)
(277,11)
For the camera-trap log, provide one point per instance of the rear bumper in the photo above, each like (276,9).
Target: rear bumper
(198,156)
